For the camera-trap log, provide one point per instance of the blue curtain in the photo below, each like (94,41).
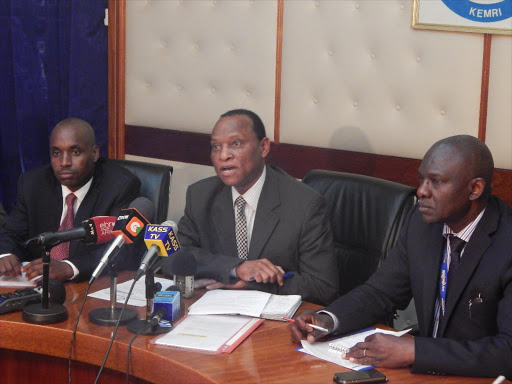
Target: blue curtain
(53,65)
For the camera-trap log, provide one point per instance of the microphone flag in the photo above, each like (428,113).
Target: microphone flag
(163,237)
(129,224)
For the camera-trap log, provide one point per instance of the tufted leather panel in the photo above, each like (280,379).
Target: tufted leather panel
(356,72)
(366,215)
(355,75)
(155,184)
(187,62)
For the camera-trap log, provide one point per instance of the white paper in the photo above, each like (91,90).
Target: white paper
(138,297)
(227,302)
(18,281)
(208,332)
(322,350)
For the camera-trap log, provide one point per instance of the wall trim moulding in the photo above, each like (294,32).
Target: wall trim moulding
(188,147)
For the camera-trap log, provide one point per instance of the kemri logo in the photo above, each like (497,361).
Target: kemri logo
(485,11)
(135,226)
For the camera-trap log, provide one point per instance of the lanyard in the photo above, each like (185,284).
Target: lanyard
(443,281)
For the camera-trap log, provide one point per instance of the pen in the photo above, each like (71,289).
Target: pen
(500,379)
(285,276)
(311,325)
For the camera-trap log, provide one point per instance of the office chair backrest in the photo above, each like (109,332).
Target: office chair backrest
(366,215)
(155,184)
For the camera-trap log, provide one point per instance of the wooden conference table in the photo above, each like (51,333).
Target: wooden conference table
(32,353)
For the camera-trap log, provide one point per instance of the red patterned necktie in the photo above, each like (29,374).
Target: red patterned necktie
(61,251)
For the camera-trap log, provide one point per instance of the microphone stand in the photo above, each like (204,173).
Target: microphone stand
(46,312)
(141,326)
(109,316)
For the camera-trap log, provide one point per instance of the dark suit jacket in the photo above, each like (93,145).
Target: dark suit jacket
(291,229)
(470,344)
(39,209)
(3,215)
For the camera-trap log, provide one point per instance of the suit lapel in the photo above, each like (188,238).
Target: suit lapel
(86,208)
(55,206)
(87,205)
(224,219)
(434,254)
(478,243)
(265,220)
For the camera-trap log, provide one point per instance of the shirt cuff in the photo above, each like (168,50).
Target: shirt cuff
(334,319)
(5,254)
(233,273)
(75,270)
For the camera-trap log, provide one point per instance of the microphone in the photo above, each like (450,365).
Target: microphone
(183,265)
(160,240)
(159,315)
(129,224)
(95,230)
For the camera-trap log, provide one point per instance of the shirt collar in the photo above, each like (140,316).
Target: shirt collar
(79,193)
(464,234)
(252,196)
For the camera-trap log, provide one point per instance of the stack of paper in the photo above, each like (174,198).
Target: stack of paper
(209,326)
(213,333)
(280,306)
(248,303)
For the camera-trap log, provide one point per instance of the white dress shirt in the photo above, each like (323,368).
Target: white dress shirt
(251,197)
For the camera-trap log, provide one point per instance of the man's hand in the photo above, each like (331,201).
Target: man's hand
(383,351)
(58,270)
(301,330)
(10,266)
(261,270)
(211,284)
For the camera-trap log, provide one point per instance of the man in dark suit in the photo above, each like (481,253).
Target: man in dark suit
(454,257)
(282,224)
(76,176)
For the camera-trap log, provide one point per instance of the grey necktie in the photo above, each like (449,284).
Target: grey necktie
(241,228)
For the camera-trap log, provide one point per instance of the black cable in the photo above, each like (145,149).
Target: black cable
(114,333)
(74,333)
(149,325)
(158,316)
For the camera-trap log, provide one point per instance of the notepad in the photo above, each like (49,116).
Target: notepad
(246,303)
(332,350)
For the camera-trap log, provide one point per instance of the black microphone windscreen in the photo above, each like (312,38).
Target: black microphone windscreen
(174,288)
(181,264)
(145,207)
(56,291)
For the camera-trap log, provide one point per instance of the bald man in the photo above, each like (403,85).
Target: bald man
(454,257)
(98,187)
